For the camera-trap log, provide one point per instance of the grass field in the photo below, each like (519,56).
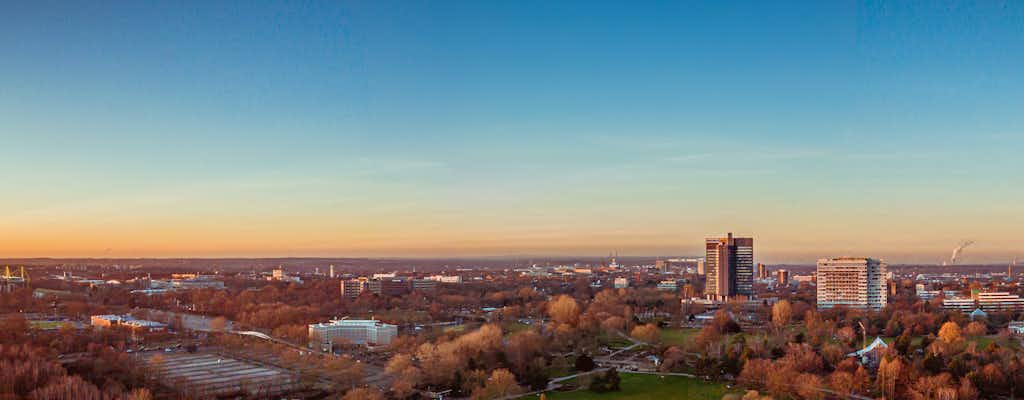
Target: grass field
(678,336)
(514,326)
(613,341)
(44,325)
(651,387)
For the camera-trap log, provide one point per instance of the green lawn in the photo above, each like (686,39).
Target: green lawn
(42,325)
(514,326)
(678,336)
(613,341)
(652,387)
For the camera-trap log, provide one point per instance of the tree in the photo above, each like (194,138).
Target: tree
(782,311)
(139,394)
(564,310)
(363,393)
(841,382)
(889,377)
(501,383)
(606,382)
(808,387)
(648,333)
(950,332)
(584,363)
(975,329)
(755,371)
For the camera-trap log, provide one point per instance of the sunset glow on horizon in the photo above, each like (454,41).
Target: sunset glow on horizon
(421,130)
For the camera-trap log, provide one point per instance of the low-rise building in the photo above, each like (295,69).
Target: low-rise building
(621,283)
(986,301)
(424,285)
(446,278)
(351,331)
(112,320)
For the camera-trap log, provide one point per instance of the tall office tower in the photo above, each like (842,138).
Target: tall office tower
(730,267)
(700,267)
(855,282)
(762,271)
(782,276)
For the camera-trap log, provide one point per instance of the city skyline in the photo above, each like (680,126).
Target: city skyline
(491,129)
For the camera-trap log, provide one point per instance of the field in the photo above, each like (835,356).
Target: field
(48,325)
(678,336)
(652,387)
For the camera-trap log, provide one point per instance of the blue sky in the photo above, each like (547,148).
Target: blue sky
(483,128)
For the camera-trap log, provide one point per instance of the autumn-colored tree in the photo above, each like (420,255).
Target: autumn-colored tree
(139,394)
(673,358)
(782,311)
(613,324)
(966,391)
(66,388)
(950,332)
(648,333)
(564,310)
(801,358)
(363,393)
(975,329)
(501,383)
(933,387)
(405,375)
(808,386)
(890,375)
(755,372)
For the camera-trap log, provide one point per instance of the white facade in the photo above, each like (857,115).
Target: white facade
(621,283)
(446,278)
(668,285)
(986,301)
(353,331)
(854,282)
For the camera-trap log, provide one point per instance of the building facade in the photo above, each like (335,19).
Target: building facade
(352,288)
(854,282)
(351,331)
(729,267)
(986,301)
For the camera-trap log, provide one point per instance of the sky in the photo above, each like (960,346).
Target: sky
(489,128)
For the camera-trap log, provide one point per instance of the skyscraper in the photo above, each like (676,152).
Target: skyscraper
(855,282)
(762,271)
(729,267)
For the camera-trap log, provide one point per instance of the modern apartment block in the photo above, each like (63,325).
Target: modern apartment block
(854,282)
(729,267)
(351,331)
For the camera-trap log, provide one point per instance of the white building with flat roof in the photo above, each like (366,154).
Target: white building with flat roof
(854,282)
(351,331)
(986,301)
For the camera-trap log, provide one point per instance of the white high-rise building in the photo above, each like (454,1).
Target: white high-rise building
(854,282)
